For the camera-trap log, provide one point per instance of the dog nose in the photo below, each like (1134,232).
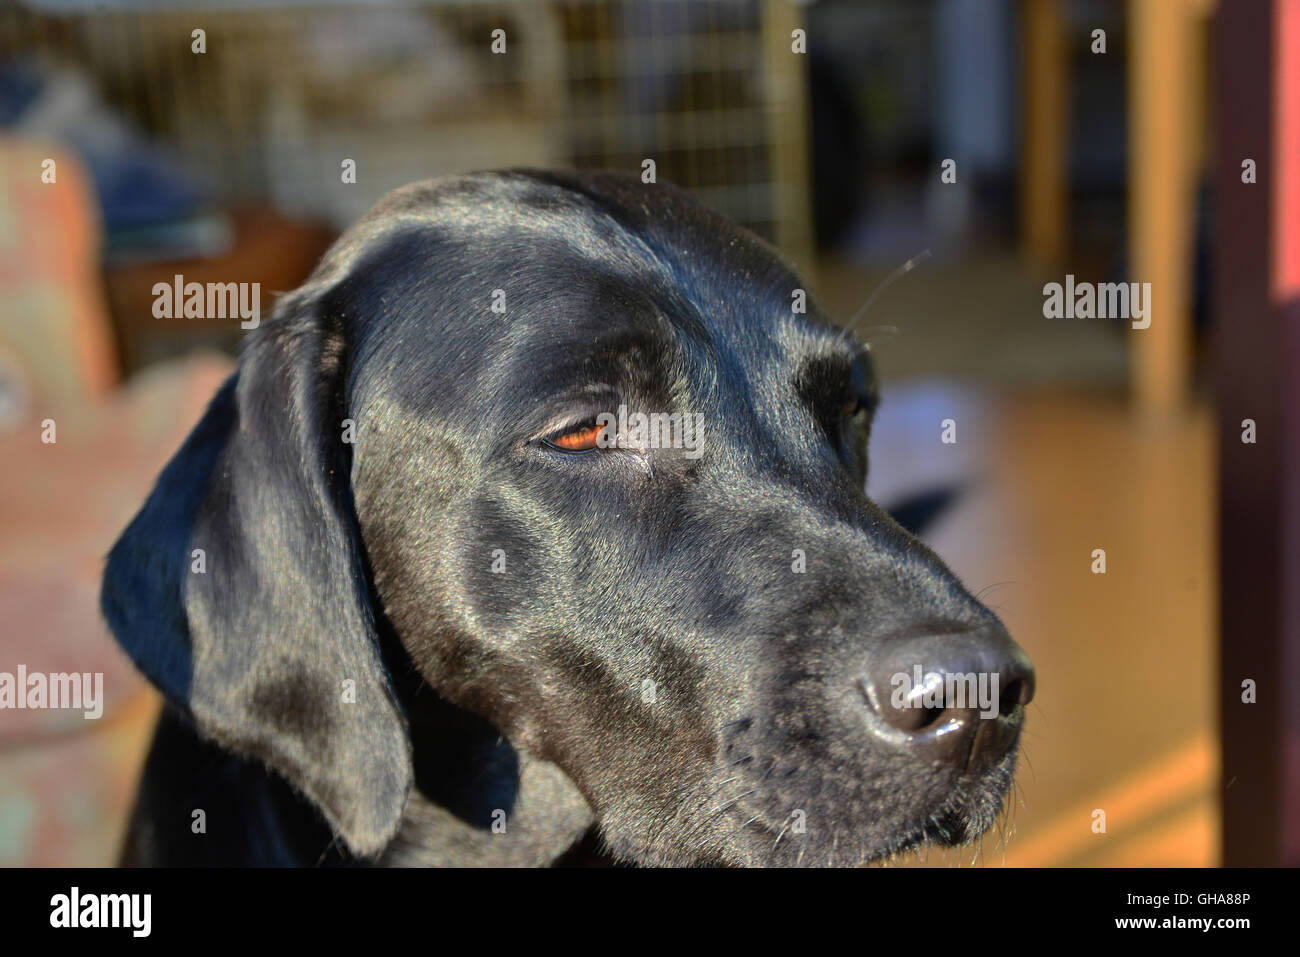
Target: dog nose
(952,698)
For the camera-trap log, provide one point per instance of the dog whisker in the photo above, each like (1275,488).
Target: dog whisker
(328,847)
(888,281)
(1024,753)
(989,589)
(732,803)
(784,828)
(723,785)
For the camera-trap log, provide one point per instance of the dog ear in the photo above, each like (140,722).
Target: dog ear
(240,587)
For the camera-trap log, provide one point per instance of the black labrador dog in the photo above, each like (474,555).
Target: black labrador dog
(422,587)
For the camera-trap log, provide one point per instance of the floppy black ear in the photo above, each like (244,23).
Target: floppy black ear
(258,635)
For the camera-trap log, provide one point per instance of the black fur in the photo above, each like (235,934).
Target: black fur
(520,697)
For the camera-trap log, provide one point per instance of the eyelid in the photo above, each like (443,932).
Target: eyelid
(558,425)
(857,404)
(569,425)
(573,409)
(576,425)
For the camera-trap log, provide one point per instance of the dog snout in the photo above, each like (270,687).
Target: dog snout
(952,699)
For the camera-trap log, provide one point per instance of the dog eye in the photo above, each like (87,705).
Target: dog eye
(856,408)
(577,438)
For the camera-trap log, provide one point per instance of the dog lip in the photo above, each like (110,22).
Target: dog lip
(945,823)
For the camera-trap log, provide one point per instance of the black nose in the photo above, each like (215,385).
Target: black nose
(953,698)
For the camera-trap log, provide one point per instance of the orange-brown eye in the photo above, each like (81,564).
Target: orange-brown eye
(851,408)
(580,439)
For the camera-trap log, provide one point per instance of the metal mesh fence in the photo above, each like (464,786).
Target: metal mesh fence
(286,92)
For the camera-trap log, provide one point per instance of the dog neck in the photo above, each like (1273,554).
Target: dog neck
(547,817)
(478,801)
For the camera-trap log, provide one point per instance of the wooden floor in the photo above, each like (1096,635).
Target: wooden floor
(1124,717)
(1052,466)
(1123,720)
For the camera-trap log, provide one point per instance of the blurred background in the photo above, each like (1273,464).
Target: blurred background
(1101,139)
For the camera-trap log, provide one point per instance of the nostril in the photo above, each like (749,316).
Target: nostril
(911,718)
(952,699)
(1019,691)
(1010,699)
(929,716)
(911,715)
(943,682)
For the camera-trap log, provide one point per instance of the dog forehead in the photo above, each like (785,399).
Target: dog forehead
(439,292)
(516,219)
(455,279)
(434,328)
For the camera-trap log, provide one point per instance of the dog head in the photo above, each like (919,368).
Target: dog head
(573,441)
